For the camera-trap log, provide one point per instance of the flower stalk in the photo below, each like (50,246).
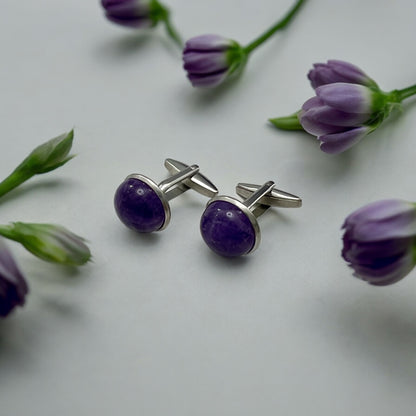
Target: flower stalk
(139,14)
(210,59)
(400,95)
(171,31)
(281,24)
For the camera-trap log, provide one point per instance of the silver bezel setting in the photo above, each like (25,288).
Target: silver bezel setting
(247,212)
(158,192)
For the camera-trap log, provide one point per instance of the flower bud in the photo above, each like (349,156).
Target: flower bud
(48,156)
(210,59)
(13,287)
(341,114)
(49,242)
(379,241)
(338,71)
(134,13)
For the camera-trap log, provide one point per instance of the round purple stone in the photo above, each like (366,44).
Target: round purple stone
(138,206)
(227,230)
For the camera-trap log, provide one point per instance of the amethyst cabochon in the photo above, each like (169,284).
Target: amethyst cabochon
(141,205)
(229,228)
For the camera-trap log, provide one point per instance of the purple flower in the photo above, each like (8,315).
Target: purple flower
(131,13)
(347,107)
(338,71)
(379,241)
(341,114)
(13,287)
(210,59)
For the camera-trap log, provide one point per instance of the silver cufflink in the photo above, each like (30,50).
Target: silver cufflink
(143,205)
(229,226)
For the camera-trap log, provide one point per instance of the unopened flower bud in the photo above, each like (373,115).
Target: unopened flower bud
(49,242)
(49,155)
(210,59)
(341,114)
(44,158)
(133,13)
(379,241)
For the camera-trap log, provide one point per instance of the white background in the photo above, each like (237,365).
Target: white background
(157,324)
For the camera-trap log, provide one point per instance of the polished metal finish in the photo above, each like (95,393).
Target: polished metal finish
(259,198)
(197,182)
(274,198)
(183,178)
(176,183)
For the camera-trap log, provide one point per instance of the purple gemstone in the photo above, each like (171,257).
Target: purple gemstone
(138,206)
(227,230)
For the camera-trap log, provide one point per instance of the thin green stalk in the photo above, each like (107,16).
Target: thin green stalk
(400,95)
(172,32)
(15,179)
(281,24)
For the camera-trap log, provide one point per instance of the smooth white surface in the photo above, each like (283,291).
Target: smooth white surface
(158,325)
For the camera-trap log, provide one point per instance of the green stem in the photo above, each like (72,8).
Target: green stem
(400,95)
(281,24)
(15,179)
(172,32)
(287,123)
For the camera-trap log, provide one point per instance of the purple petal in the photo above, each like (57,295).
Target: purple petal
(328,115)
(366,253)
(339,142)
(316,127)
(135,22)
(399,226)
(312,102)
(212,43)
(390,272)
(129,13)
(129,8)
(207,81)
(379,211)
(13,287)
(350,98)
(337,71)
(204,62)
(350,72)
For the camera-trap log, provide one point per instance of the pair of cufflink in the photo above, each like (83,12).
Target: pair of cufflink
(228,226)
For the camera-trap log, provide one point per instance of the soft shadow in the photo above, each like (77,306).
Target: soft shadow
(382,332)
(16,341)
(170,46)
(51,303)
(225,263)
(125,46)
(48,184)
(201,97)
(317,163)
(147,239)
(407,105)
(279,215)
